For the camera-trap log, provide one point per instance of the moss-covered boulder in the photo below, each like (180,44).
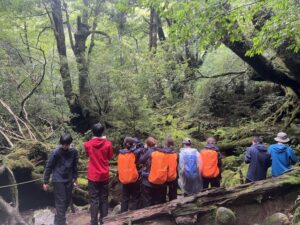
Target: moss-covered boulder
(277,219)
(18,161)
(225,216)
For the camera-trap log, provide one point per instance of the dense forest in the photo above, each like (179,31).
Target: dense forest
(186,68)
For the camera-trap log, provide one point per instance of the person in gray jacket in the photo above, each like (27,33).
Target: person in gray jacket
(62,164)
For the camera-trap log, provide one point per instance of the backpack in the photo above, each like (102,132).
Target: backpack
(210,167)
(190,163)
(127,168)
(163,167)
(172,166)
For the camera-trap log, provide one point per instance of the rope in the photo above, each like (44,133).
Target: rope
(16,184)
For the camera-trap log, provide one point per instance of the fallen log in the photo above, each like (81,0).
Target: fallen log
(250,202)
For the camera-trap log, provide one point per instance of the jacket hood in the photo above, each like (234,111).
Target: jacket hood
(211,146)
(280,148)
(260,147)
(127,150)
(97,142)
(164,149)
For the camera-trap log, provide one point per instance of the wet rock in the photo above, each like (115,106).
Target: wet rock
(277,219)
(159,222)
(225,216)
(43,217)
(186,220)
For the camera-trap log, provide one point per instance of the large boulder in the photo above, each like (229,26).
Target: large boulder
(225,216)
(277,219)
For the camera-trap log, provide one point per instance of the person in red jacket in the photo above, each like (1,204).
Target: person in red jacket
(99,151)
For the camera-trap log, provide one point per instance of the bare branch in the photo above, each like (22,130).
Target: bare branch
(40,34)
(102,33)
(7,139)
(234,73)
(37,84)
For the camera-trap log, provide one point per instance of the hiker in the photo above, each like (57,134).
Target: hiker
(190,180)
(211,164)
(99,152)
(259,160)
(171,186)
(152,191)
(282,155)
(128,175)
(62,164)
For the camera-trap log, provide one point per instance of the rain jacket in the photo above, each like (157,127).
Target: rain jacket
(187,185)
(282,157)
(99,151)
(62,164)
(259,161)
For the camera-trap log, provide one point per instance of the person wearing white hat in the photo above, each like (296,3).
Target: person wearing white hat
(189,169)
(282,155)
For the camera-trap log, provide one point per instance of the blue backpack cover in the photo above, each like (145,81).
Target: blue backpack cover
(190,166)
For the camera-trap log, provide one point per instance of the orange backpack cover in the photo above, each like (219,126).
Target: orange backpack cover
(210,167)
(127,168)
(163,167)
(172,163)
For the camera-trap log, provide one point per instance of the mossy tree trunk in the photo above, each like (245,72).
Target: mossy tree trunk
(253,201)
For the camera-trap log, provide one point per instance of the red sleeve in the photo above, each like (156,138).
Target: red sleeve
(110,151)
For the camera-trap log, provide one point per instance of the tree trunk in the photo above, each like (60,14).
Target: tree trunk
(82,118)
(251,203)
(153,29)
(263,66)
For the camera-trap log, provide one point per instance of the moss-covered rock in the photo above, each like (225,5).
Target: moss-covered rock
(18,160)
(277,219)
(225,216)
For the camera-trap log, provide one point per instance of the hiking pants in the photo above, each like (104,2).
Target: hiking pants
(153,195)
(214,182)
(62,196)
(98,192)
(170,189)
(130,192)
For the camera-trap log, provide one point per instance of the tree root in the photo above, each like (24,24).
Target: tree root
(289,111)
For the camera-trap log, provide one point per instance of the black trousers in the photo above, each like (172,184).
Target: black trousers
(153,195)
(170,190)
(130,193)
(214,182)
(62,197)
(98,192)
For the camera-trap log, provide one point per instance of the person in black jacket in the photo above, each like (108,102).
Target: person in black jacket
(259,160)
(62,164)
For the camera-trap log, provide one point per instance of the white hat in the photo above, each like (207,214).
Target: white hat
(282,137)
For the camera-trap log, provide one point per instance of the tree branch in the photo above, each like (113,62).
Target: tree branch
(102,33)
(68,24)
(233,73)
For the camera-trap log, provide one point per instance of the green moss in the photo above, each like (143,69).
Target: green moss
(230,178)
(296,218)
(18,160)
(82,182)
(231,162)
